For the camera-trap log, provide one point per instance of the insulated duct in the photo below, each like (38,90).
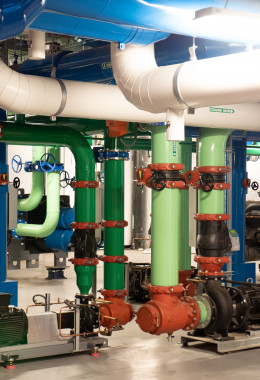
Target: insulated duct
(194,84)
(28,94)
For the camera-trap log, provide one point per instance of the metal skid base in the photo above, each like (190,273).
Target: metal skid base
(39,350)
(241,341)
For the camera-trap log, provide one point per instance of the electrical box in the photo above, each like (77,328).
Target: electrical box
(234,237)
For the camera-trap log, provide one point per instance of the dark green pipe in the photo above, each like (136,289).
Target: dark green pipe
(113,210)
(85,171)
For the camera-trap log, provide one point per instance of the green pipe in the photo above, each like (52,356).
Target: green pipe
(85,171)
(185,250)
(212,145)
(252,151)
(35,197)
(52,207)
(166,210)
(113,210)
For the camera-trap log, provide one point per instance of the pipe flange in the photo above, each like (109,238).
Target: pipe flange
(213,169)
(114,223)
(176,289)
(211,217)
(114,293)
(207,302)
(165,166)
(211,266)
(89,261)
(194,316)
(114,259)
(84,184)
(84,226)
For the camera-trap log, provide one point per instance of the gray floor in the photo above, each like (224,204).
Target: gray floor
(132,354)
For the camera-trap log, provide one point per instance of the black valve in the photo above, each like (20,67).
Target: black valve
(207,182)
(254,186)
(158,180)
(64,179)
(16,182)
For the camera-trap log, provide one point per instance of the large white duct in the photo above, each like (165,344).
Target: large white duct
(222,80)
(34,95)
(194,84)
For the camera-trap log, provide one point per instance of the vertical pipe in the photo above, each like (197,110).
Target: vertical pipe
(185,250)
(113,210)
(3,214)
(212,145)
(165,216)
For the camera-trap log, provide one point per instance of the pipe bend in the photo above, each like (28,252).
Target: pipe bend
(223,304)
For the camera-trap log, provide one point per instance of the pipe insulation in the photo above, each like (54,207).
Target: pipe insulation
(53,206)
(21,93)
(194,84)
(35,197)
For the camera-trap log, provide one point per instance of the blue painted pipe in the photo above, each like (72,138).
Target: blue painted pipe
(67,216)
(93,65)
(3,215)
(59,239)
(75,26)
(16,15)
(172,16)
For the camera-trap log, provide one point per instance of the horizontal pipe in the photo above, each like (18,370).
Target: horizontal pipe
(86,28)
(94,65)
(194,84)
(172,16)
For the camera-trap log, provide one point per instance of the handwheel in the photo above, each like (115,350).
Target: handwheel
(47,162)
(207,182)
(158,180)
(64,179)
(255,186)
(16,182)
(17,163)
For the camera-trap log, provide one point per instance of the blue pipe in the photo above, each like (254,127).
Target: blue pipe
(3,215)
(172,16)
(6,286)
(67,216)
(75,26)
(16,15)
(59,240)
(93,65)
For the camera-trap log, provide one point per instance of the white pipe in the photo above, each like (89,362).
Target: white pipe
(209,82)
(34,95)
(36,45)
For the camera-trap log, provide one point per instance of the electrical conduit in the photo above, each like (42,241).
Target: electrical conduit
(35,197)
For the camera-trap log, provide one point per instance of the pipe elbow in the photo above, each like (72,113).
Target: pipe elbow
(142,82)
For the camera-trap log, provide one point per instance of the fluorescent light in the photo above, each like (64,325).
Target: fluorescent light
(229,25)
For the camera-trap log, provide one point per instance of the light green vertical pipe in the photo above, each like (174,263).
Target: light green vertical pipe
(35,197)
(52,208)
(185,250)
(165,212)
(212,145)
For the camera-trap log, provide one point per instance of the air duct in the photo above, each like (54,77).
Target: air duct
(194,84)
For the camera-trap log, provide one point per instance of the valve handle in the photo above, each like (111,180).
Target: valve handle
(64,182)
(16,182)
(17,163)
(254,186)
(47,162)
(207,182)
(158,180)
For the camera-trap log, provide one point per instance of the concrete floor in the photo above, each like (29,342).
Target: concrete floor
(132,354)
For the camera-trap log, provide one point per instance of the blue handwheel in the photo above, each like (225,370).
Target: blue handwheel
(17,163)
(47,162)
